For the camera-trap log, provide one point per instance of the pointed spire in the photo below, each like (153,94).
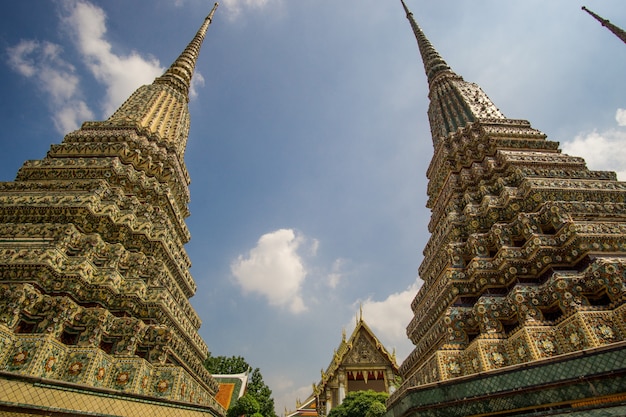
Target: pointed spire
(160,110)
(433,62)
(620,33)
(454,103)
(179,74)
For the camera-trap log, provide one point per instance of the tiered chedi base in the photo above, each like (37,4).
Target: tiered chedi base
(94,280)
(526,260)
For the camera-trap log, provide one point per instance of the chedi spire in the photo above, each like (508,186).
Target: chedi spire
(94,276)
(434,64)
(523,295)
(160,109)
(180,72)
(453,102)
(620,33)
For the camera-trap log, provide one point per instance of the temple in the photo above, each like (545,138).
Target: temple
(231,388)
(359,363)
(522,311)
(94,278)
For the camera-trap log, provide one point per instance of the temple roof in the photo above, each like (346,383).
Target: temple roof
(361,349)
(231,388)
(306,408)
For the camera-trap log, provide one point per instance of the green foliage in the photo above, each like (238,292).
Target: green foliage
(262,393)
(376,409)
(226,365)
(245,406)
(257,389)
(360,404)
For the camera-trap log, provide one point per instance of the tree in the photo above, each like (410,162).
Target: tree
(226,365)
(360,404)
(376,409)
(262,393)
(244,406)
(257,389)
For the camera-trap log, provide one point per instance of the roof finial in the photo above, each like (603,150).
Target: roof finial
(433,62)
(180,72)
(620,33)
(360,312)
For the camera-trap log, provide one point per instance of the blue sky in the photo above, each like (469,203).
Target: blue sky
(309,139)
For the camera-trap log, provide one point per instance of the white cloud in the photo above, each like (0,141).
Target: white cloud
(274,269)
(285,392)
(235,7)
(121,75)
(335,274)
(388,319)
(602,150)
(70,116)
(197,81)
(55,77)
(620,116)
(20,57)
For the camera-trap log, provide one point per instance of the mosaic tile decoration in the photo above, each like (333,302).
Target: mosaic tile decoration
(17,397)
(94,276)
(573,379)
(526,260)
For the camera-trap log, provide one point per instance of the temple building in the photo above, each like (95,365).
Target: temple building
(231,388)
(360,363)
(95,316)
(306,408)
(523,307)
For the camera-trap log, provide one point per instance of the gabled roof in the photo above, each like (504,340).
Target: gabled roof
(232,387)
(308,408)
(363,347)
